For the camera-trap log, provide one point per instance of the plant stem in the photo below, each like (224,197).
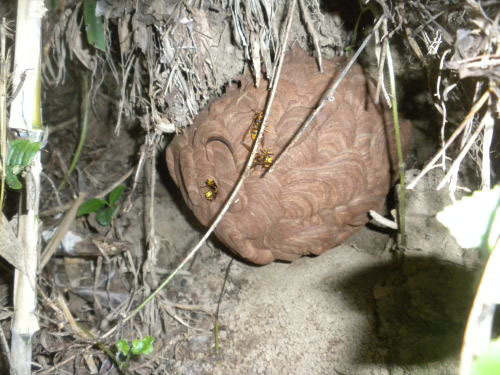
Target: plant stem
(85,110)
(401,160)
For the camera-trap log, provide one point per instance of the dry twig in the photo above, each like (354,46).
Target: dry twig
(57,367)
(327,97)
(63,228)
(312,31)
(382,220)
(487,119)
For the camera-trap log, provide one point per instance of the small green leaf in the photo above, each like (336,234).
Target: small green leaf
(92,205)
(488,363)
(22,152)
(115,195)
(16,150)
(144,346)
(21,155)
(94,25)
(104,216)
(12,181)
(29,153)
(123,347)
(474,220)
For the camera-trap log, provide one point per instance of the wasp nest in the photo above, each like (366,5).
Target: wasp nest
(322,189)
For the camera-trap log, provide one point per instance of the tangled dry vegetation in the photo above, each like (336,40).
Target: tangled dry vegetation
(164,61)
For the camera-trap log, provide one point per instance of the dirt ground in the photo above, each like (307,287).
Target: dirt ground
(357,309)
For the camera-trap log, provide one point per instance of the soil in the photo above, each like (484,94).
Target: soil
(357,309)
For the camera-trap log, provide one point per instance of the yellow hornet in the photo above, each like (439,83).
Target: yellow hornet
(212,191)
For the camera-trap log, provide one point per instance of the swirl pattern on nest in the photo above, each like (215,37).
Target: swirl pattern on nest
(322,189)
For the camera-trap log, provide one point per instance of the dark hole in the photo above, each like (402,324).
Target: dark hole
(348,11)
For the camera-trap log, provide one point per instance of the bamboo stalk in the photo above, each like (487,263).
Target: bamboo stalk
(25,118)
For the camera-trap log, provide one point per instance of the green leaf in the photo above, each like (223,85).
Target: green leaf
(488,363)
(16,150)
(21,155)
(123,347)
(91,205)
(12,181)
(144,346)
(30,152)
(115,195)
(474,221)
(22,152)
(105,216)
(94,25)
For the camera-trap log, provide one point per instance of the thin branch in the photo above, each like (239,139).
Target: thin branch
(123,88)
(312,31)
(71,320)
(63,228)
(138,170)
(152,241)
(442,108)
(380,76)
(234,193)
(487,118)
(486,163)
(327,97)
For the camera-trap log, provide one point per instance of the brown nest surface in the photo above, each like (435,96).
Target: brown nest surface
(322,189)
